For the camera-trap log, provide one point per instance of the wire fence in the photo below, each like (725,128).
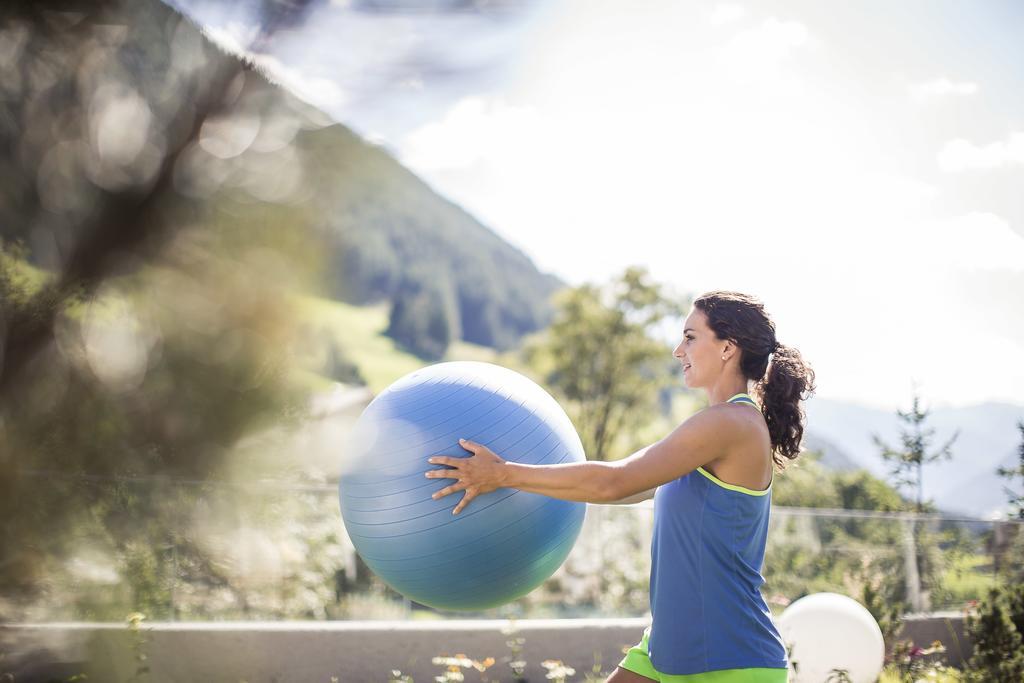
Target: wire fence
(262,549)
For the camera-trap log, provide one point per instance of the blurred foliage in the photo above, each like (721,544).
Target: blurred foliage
(1007,547)
(911,663)
(861,557)
(163,208)
(1015,499)
(601,360)
(158,375)
(155,224)
(932,673)
(997,631)
(807,484)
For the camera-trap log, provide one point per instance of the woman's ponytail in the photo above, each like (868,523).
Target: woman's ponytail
(787,381)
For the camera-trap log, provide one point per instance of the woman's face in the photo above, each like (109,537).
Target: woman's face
(699,351)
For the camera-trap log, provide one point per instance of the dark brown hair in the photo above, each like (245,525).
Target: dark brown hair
(780,386)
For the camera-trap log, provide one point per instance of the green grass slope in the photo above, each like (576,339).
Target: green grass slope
(359,332)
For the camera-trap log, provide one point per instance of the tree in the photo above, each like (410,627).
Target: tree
(424,316)
(795,564)
(907,470)
(601,355)
(907,465)
(1016,500)
(367,269)
(338,366)
(998,634)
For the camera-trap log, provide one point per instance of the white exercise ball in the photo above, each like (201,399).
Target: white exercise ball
(827,631)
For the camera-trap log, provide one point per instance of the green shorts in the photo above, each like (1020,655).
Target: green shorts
(637,661)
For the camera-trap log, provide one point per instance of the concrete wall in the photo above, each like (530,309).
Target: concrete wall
(949,628)
(356,652)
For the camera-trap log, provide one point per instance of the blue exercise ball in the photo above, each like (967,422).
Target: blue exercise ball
(504,543)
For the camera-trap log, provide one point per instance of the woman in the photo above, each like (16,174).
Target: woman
(711,482)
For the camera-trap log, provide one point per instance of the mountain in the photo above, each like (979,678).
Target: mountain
(268,158)
(392,238)
(966,484)
(984,491)
(832,456)
(391,234)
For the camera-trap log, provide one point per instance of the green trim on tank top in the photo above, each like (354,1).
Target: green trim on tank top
(734,487)
(747,396)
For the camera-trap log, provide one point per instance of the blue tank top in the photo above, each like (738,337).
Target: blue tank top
(706,556)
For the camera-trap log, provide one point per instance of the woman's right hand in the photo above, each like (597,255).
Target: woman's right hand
(480,473)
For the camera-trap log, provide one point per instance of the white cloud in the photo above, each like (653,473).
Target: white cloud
(758,55)
(976,241)
(726,13)
(319,91)
(474,129)
(942,87)
(898,194)
(675,151)
(962,155)
(914,250)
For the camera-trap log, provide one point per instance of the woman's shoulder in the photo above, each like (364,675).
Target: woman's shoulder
(744,418)
(746,459)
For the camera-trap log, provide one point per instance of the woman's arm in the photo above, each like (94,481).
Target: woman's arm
(485,471)
(588,482)
(702,438)
(636,498)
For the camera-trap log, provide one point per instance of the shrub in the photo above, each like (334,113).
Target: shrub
(998,634)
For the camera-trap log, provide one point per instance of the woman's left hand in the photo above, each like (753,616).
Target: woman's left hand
(480,473)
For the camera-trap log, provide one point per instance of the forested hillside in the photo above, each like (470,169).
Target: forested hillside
(393,238)
(381,233)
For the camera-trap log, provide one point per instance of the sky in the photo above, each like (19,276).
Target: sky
(857,166)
